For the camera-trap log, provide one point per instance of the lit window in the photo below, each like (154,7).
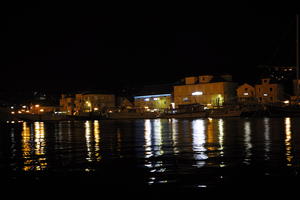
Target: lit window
(147,99)
(197,93)
(246,93)
(185,99)
(155,99)
(265,95)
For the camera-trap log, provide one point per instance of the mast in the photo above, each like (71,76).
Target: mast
(297,55)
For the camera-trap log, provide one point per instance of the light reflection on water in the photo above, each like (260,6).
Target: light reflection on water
(165,148)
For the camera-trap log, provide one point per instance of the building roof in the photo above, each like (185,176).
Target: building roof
(157,89)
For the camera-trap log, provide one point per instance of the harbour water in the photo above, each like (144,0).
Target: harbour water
(154,155)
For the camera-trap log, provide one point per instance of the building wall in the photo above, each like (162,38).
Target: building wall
(215,94)
(67,104)
(94,102)
(268,92)
(246,93)
(153,102)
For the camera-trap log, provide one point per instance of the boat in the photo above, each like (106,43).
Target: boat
(132,115)
(224,112)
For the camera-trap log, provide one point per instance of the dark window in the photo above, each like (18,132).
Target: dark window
(271,89)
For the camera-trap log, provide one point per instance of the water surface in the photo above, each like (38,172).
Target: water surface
(199,155)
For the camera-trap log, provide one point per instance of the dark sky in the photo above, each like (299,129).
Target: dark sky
(60,47)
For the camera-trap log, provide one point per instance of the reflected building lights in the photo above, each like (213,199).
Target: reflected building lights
(147,135)
(267,137)
(247,142)
(88,139)
(27,150)
(198,128)
(288,138)
(157,135)
(97,140)
(221,140)
(34,147)
(174,131)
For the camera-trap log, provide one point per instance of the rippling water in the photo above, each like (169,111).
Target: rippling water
(155,154)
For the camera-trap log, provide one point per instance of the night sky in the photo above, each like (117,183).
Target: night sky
(76,46)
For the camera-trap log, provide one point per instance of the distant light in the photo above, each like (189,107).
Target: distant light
(286,102)
(37,105)
(41,110)
(95,109)
(246,93)
(147,99)
(173,105)
(12,107)
(265,95)
(23,106)
(197,93)
(12,112)
(19,112)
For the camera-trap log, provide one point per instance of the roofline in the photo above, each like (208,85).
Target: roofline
(151,96)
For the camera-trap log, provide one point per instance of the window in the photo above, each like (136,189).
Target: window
(197,93)
(271,89)
(185,99)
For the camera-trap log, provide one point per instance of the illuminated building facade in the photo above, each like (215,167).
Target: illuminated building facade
(205,90)
(67,104)
(89,102)
(246,94)
(86,102)
(153,103)
(268,92)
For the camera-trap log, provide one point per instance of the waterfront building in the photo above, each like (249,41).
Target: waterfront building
(94,102)
(206,90)
(246,94)
(268,92)
(40,109)
(67,104)
(86,102)
(153,103)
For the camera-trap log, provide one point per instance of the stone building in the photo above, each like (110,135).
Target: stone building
(206,90)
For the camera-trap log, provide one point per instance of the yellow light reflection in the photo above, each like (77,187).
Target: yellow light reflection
(97,140)
(26,147)
(92,137)
(247,142)
(198,128)
(288,138)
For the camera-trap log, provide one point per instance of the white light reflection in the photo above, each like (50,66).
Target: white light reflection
(247,142)
(40,144)
(267,138)
(88,138)
(198,142)
(147,135)
(288,138)
(157,134)
(221,140)
(153,147)
(174,128)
